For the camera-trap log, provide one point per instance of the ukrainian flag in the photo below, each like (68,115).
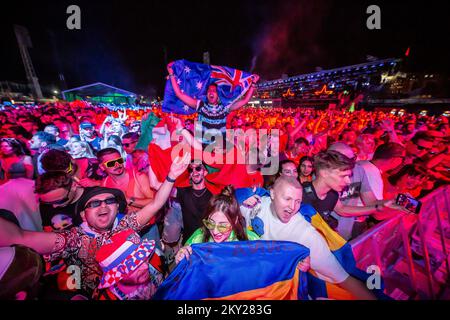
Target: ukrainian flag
(340,248)
(240,270)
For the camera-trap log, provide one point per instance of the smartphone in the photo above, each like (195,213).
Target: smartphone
(409,203)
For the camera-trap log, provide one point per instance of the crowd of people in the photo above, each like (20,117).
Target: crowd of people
(76,189)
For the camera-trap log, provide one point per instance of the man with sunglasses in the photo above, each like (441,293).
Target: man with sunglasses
(58,196)
(194,199)
(419,146)
(135,185)
(136,158)
(101,210)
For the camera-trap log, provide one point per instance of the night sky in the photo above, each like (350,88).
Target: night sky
(125,43)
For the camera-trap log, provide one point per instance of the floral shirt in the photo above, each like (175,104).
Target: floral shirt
(78,247)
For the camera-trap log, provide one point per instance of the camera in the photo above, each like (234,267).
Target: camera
(409,203)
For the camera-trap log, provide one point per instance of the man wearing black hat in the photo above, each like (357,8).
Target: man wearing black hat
(100,210)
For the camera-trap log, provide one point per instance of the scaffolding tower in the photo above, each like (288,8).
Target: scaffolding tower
(24,41)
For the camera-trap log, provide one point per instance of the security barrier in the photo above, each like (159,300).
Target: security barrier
(411,251)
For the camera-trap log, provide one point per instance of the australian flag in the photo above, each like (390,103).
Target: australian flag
(194,79)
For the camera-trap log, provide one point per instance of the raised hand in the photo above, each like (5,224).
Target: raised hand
(122,116)
(169,67)
(255,78)
(179,165)
(304,265)
(184,252)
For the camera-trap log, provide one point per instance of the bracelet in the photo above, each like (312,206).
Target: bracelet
(170,179)
(171,75)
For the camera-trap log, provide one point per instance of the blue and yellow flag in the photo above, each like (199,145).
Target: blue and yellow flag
(240,270)
(340,248)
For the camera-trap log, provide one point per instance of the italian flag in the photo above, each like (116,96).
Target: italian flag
(155,138)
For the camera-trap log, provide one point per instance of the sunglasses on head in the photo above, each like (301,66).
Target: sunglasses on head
(198,169)
(98,203)
(211,225)
(112,163)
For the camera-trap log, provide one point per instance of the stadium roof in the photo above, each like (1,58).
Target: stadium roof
(98,89)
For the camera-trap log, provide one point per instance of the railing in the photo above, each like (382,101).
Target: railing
(411,251)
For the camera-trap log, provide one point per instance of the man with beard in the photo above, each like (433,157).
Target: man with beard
(135,185)
(101,210)
(194,199)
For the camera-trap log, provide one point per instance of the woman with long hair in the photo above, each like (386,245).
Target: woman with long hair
(11,152)
(306,169)
(222,222)
(81,149)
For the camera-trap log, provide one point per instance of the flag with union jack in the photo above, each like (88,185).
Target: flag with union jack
(194,79)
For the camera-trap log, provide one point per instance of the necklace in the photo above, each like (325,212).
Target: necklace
(198,195)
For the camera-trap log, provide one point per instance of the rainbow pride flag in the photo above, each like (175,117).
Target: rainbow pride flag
(240,270)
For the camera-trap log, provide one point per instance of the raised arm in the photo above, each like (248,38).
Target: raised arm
(297,129)
(318,122)
(175,123)
(41,242)
(191,102)
(178,166)
(248,95)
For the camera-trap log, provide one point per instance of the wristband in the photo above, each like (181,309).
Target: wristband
(170,179)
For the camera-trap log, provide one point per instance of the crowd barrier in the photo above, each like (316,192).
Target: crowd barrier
(411,251)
